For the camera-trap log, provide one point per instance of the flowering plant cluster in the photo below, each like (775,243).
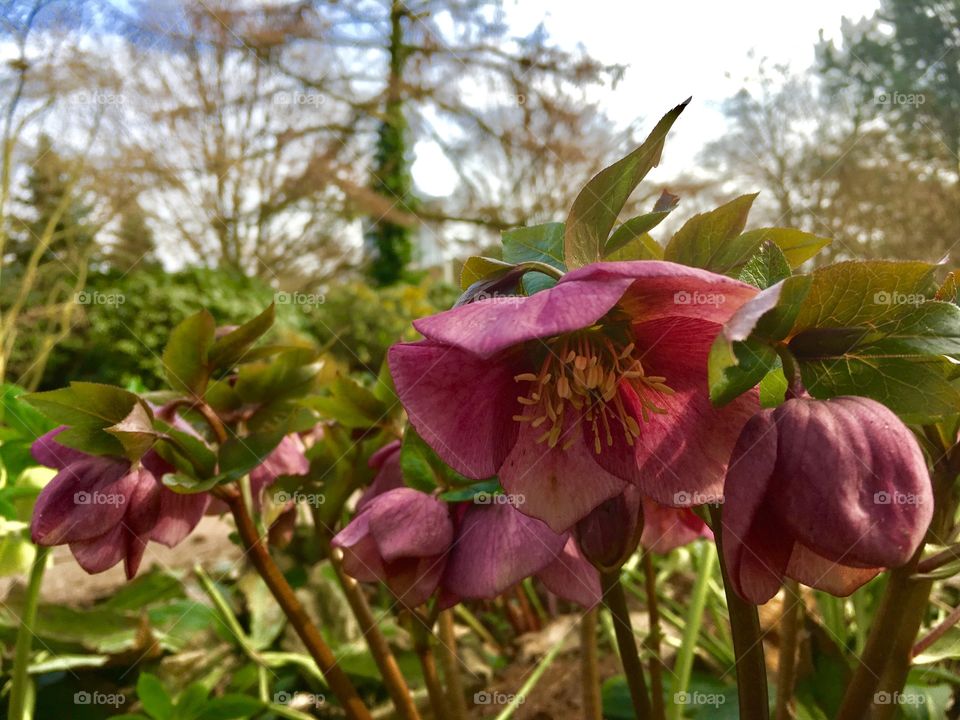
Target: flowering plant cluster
(629,395)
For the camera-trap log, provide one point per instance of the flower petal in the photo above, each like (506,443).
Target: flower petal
(48,452)
(666,528)
(855,485)
(178,515)
(361,559)
(414,580)
(85,500)
(287,458)
(486,327)
(102,552)
(555,485)
(664,289)
(408,523)
(680,458)
(816,571)
(571,577)
(461,405)
(496,548)
(386,461)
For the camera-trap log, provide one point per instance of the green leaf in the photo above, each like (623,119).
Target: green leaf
(734,368)
(154,697)
(238,456)
(83,403)
(350,404)
(292,373)
(598,205)
(183,484)
(191,701)
(538,243)
(797,246)
(25,420)
(767,267)
(228,350)
(637,229)
(478,268)
(91,440)
(773,388)
(712,240)
(135,432)
(189,454)
(187,354)
(462,494)
(422,468)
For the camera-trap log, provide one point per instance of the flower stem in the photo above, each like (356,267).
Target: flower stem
(589,667)
(422,636)
(616,601)
(20,682)
(653,639)
(747,640)
(253,543)
(451,666)
(386,663)
(789,632)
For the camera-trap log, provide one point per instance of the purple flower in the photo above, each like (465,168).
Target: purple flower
(400,538)
(827,492)
(107,508)
(497,546)
(386,461)
(571,393)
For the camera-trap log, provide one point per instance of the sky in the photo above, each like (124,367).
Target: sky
(673,49)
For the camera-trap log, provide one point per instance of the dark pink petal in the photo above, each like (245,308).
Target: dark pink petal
(414,580)
(609,534)
(287,458)
(178,515)
(571,577)
(555,485)
(854,485)
(663,289)
(389,476)
(361,559)
(408,523)
(756,550)
(486,327)
(815,571)
(461,405)
(142,512)
(101,552)
(496,548)
(48,452)
(85,500)
(680,458)
(666,528)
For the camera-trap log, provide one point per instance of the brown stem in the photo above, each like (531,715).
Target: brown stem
(589,667)
(253,543)
(451,666)
(790,618)
(653,639)
(386,662)
(938,632)
(421,641)
(616,601)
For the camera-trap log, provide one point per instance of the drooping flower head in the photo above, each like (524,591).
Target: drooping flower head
(827,492)
(572,392)
(107,508)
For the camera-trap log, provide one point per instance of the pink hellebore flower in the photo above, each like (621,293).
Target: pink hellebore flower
(400,538)
(107,508)
(573,392)
(827,492)
(386,461)
(497,546)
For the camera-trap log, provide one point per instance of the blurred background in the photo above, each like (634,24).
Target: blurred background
(342,158)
